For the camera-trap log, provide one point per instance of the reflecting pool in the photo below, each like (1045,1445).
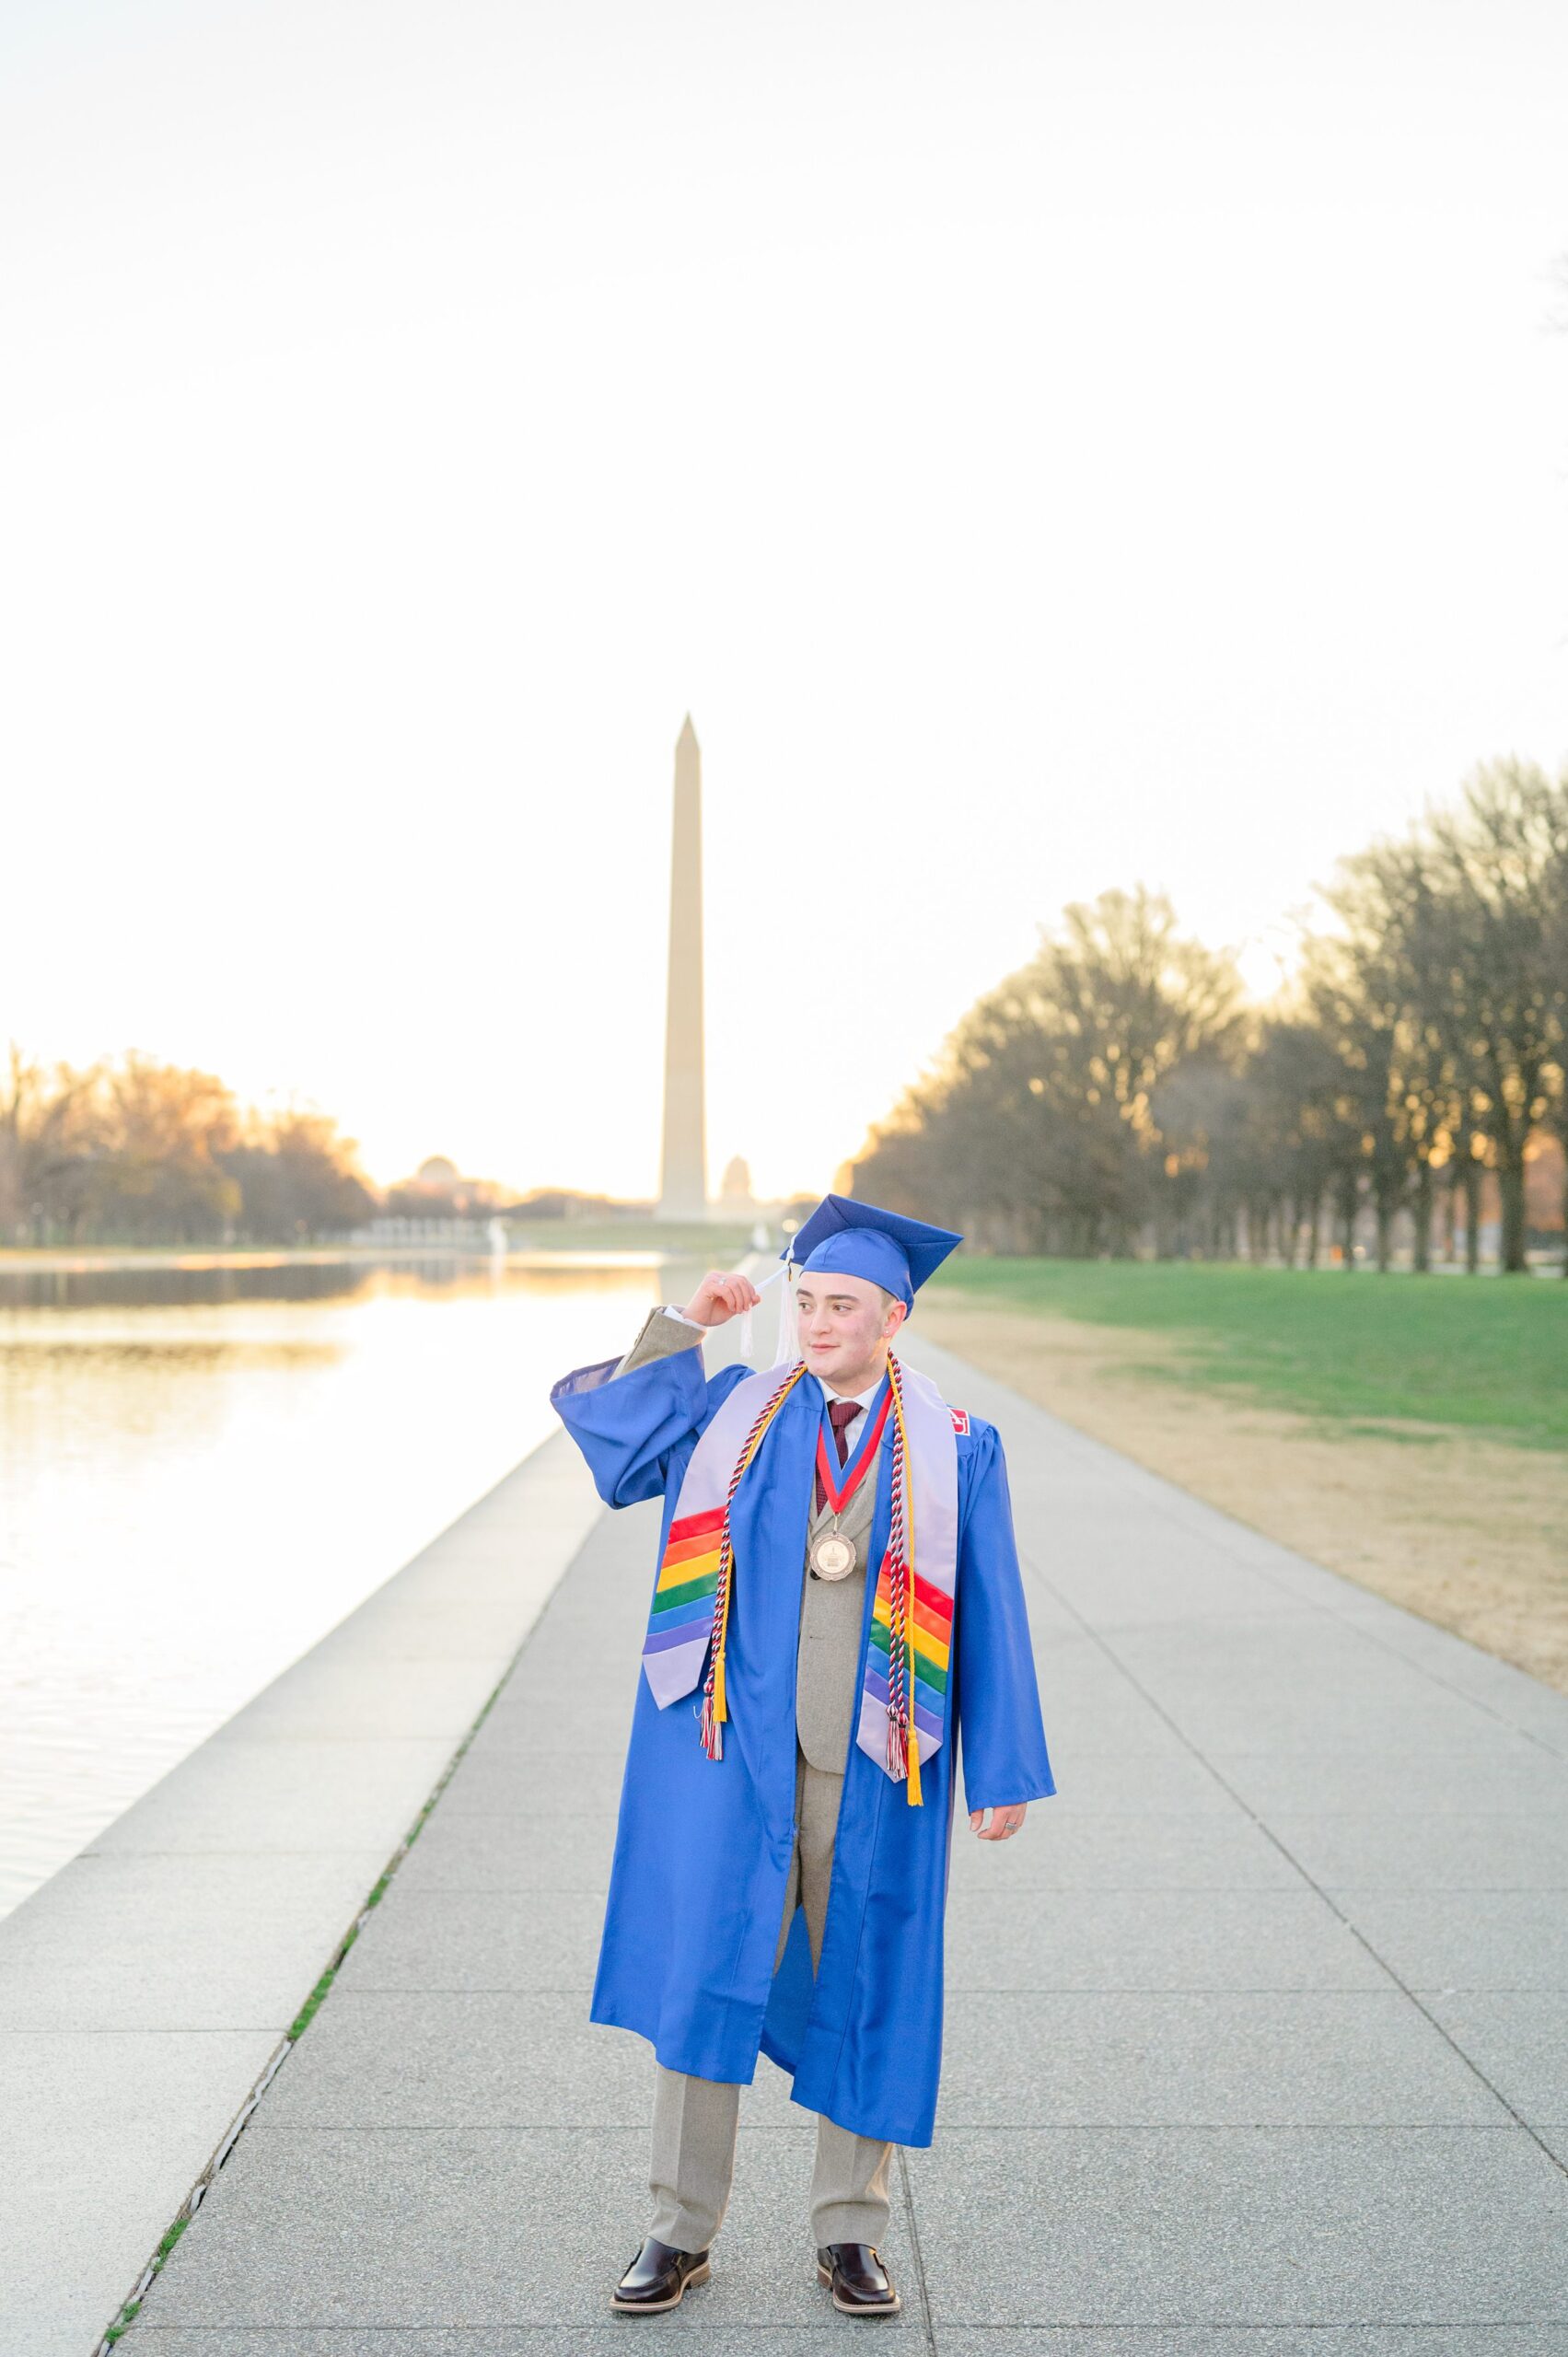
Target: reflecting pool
(203,1468)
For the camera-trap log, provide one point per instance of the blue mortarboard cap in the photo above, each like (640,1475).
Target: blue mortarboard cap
(856,1239)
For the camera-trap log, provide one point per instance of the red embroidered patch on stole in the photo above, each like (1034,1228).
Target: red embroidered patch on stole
(960,1419)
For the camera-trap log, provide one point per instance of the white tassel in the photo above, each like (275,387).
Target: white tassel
(746,1334)
(789,1325)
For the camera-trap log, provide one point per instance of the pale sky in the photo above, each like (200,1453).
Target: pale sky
(1044,447)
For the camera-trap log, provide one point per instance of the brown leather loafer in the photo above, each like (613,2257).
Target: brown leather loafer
(657,2277)
(860,2284)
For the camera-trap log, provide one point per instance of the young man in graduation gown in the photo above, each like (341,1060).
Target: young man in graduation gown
(837,1610)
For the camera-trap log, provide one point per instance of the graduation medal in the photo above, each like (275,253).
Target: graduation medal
(832,1555)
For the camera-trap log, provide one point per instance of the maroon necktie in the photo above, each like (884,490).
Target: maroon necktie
(839,1414)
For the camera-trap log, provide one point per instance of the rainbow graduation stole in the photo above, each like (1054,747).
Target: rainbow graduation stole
(907,1659)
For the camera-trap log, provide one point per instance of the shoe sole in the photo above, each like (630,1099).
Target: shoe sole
(658,2308)
(857,2308)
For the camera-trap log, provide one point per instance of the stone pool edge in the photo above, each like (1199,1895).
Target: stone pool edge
(150,1989)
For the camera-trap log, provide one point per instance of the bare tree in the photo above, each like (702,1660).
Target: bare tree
(50,1138)
(1039,1114)
(1498,861)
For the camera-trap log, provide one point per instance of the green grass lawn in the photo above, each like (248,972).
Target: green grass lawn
(1487,1353)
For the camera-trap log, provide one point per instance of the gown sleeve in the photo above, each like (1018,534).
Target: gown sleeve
(1002,1736)
(631,1426)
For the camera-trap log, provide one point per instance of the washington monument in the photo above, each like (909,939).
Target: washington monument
(683,1161)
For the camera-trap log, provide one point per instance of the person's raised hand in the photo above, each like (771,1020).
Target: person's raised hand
(1004,1820)
(722,1294)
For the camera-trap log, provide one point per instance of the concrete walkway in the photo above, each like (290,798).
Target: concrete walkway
(1257,2037)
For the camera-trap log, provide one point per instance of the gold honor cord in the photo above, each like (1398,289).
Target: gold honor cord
(904,1576)
(714,1710)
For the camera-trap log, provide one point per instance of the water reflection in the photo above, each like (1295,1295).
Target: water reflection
(203,1468)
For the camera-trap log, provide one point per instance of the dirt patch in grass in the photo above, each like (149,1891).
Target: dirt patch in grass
(1458,1526)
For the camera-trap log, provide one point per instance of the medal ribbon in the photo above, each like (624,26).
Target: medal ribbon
(839,1492)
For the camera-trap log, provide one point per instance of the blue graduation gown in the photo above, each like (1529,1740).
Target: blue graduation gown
(703,1846)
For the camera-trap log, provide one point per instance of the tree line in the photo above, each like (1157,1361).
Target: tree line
(1117,1093)
(128,1150)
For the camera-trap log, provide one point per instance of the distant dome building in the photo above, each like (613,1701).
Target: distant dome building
(439,1190)
(735,1191)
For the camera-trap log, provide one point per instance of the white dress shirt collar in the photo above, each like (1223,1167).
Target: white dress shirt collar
(862,1398)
